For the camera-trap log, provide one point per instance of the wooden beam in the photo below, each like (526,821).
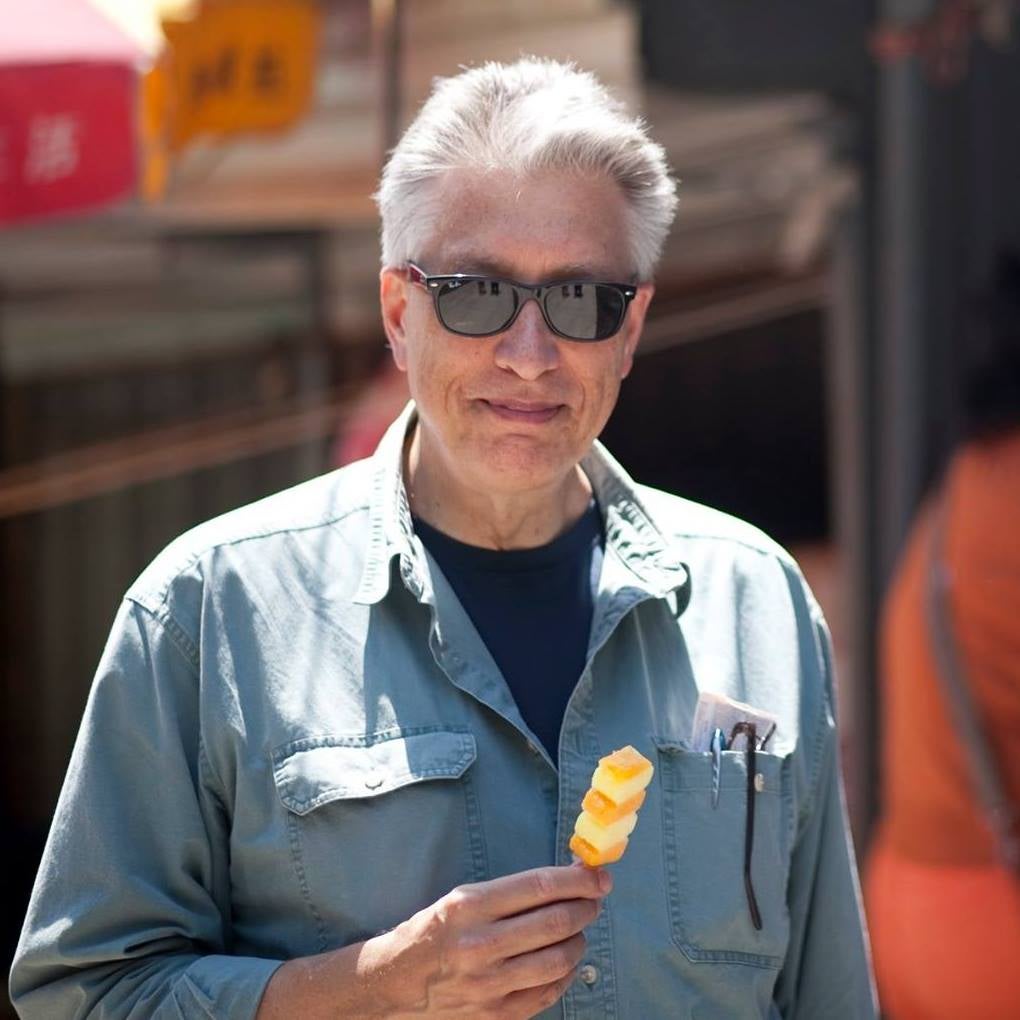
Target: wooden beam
(163,453)
(731,310)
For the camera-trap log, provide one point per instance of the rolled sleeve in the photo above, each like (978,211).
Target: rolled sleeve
(129,915)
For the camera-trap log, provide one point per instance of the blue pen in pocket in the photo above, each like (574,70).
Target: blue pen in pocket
(718,746)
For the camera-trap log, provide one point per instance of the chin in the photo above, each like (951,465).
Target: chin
(518,466)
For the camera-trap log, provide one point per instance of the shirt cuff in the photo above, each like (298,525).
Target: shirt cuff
(223,987)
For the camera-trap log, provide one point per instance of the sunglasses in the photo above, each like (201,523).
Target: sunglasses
(483,306)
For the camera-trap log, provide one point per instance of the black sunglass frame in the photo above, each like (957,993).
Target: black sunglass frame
(523,292)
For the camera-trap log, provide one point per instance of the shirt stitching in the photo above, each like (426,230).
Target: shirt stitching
(162,592)
(189,652)
(822,728)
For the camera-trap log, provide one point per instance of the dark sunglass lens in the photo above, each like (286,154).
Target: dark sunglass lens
(585,311)
(475,307)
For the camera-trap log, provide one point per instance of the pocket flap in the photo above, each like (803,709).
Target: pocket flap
(315,771)
(695,770)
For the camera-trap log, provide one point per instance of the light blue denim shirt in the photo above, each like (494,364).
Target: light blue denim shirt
(296,739)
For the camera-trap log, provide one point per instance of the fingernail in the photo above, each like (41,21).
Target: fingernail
(605,881)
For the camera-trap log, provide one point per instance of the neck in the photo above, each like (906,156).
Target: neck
(492,520)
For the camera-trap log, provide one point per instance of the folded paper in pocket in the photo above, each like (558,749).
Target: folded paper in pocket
(716,711)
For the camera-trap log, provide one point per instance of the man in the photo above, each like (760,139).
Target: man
(338,739)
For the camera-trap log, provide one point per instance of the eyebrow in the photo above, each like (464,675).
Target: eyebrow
(474,265)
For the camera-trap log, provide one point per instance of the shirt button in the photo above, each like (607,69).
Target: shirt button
(759,782)
(589,974)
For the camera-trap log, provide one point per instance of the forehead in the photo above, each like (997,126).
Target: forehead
(539,227)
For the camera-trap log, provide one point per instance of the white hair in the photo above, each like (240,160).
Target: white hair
(527,117)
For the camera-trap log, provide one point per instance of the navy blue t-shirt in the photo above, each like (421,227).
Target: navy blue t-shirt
(533,609)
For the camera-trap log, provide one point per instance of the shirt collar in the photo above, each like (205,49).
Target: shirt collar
(391,529)
(630,531)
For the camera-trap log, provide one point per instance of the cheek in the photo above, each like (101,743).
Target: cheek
(424,357)
(439,369)
(601,378)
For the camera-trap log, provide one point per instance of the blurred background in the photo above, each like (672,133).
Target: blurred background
(188,267)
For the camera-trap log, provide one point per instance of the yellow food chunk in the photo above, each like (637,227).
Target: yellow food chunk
(626,762)
(620,782)
(602,837)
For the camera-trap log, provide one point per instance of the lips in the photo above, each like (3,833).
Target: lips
(525,411)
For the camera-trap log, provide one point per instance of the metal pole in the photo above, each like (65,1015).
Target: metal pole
(851,408)
(903,110)
(387,27)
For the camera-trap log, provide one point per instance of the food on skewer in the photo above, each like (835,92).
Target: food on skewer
(609,809)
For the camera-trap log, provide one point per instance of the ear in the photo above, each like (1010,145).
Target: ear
(634,325)
(393,286)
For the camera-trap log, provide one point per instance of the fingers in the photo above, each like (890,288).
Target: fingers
(519,935)
(514,894)
(543,966)
(544,926)
(530,1002)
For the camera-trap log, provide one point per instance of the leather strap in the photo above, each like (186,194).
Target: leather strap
(1001,814)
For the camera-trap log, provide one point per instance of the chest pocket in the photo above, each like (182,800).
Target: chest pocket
(379,825)
(704,855)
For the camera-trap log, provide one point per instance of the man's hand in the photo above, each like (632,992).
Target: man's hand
(506,948)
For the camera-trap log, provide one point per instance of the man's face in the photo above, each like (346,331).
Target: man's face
(514,412)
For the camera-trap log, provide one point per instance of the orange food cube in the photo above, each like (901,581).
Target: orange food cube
(590,856)
(605,811)
(625,762)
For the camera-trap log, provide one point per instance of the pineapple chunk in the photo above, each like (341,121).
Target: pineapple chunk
(626,762)
(602,837)
(619,784)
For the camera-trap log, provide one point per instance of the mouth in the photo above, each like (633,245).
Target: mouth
(523,411)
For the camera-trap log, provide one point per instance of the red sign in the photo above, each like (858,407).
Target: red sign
(68,137)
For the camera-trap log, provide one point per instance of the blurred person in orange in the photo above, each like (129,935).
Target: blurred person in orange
(943,880)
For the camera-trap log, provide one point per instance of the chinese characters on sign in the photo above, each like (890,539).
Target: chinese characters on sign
(53,148)
(67,137)
(239,66)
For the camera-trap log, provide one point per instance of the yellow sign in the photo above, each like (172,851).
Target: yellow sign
(240,65)
(153,109)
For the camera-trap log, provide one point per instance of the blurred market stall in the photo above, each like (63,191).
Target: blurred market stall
(97,96)
(69,132)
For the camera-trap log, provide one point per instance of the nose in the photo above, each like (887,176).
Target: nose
(528,348)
